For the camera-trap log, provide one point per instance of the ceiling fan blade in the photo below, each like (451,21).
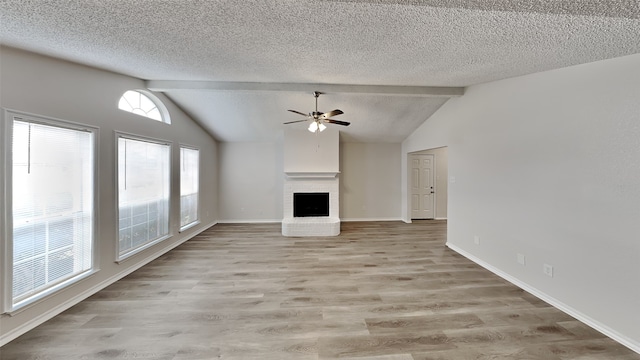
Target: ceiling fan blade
(332,113)
(293,122)
(338,122)
(298,112)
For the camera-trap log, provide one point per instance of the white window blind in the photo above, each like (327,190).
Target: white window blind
(52,206)
(143,193)
(189,180)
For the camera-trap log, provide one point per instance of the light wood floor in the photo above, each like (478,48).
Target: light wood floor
(381,290)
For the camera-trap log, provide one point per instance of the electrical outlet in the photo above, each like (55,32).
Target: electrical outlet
(521,259)
(548,270)
(476,240)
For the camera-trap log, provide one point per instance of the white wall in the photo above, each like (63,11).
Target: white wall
(58,89)
(251,177)
(305,151)
(370,181)
(547,165)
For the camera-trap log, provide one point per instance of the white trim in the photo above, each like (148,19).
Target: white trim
(119,134)
(263,221)
(370,219)
(165,117)
(5,221)
(130,254)
(44,295)
(22,329)
(96,201)
(269,221)
(132,136)
(604,329)
(189,226)
(312,175)
(48,120)
(198,208)
(7,302)
(250,221)
(187,146)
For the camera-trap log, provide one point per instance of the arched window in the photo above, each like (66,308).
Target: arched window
(145,104)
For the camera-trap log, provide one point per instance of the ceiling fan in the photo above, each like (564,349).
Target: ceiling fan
(318,118)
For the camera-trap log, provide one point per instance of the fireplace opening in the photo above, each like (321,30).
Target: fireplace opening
(310,204)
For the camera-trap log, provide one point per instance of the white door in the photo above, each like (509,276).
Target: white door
(422,191)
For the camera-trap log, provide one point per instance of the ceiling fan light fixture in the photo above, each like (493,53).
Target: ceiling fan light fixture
(316,126)
(319,118)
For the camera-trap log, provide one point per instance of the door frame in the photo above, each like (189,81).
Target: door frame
(436,180)
(412,157)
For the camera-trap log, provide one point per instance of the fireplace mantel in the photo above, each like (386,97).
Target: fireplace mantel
(312,175)
(311,182)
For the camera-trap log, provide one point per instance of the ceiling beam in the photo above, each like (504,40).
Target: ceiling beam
(420,91)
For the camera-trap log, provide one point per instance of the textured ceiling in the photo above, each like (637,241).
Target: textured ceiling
(613,8)
(447,43)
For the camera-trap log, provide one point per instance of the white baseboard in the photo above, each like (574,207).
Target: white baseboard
(604,329)
(272,221)
(33,323)
(409,221)
(246,221)
(370,219)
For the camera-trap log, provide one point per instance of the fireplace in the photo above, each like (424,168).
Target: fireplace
(310,204)
(311,170)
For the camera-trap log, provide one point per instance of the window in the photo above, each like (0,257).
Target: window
(52,206)
(189,179)
(143,194)
(144,103)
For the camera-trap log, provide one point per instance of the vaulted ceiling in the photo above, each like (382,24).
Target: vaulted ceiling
(237,66)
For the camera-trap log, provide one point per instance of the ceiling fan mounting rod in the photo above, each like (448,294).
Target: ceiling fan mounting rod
(317,118)
(316,94)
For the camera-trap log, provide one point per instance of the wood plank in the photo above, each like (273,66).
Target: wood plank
(378,291)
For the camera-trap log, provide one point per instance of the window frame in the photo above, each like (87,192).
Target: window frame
(197,221)
(118,135)
(6,172)
(165,117)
